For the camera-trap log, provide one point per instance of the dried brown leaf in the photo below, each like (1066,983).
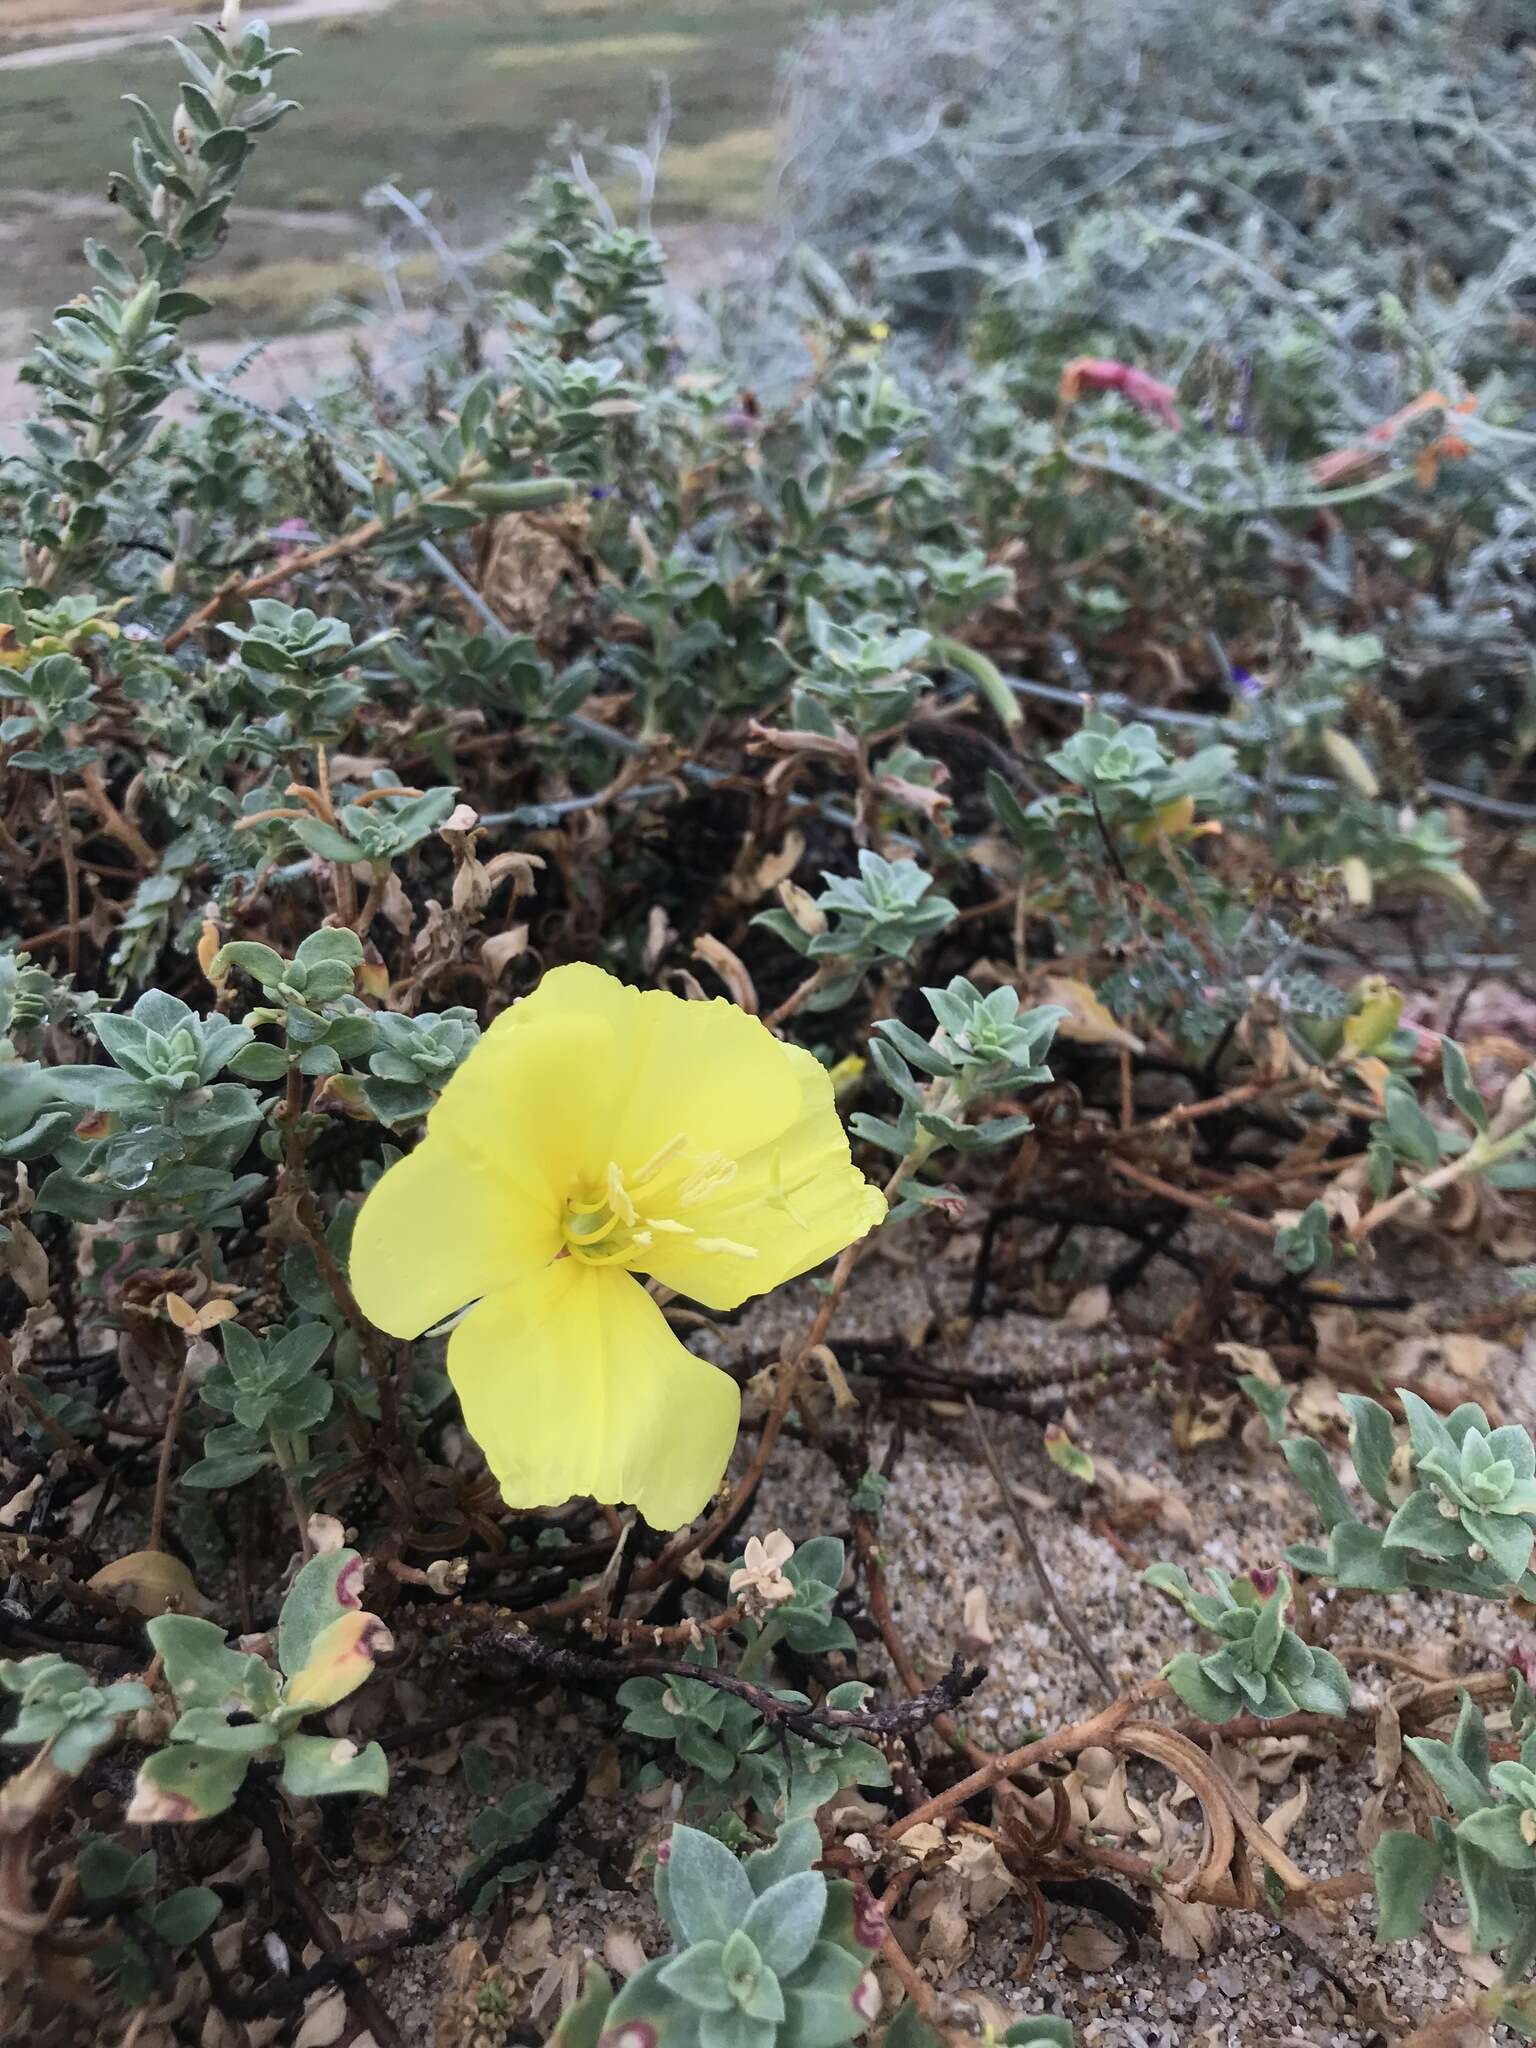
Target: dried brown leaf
(1186,1930)
(150,1582)
(975,1623)
(716,954)
(325,2018)
(1089,1947)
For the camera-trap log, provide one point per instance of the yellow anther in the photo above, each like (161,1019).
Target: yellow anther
(725,1244)
(618,1197)
(713,1174)
(659,1159)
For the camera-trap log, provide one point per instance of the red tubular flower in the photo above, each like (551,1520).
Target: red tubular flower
(1104,373)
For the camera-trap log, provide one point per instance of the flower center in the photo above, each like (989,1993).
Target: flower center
(619,1224)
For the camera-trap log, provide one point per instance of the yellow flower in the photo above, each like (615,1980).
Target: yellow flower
(595,1133)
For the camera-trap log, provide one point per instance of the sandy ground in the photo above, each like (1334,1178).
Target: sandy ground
(944,1532)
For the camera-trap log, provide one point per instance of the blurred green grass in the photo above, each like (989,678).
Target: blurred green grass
(457,95)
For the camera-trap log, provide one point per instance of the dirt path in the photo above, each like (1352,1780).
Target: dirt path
(291,365)
(151,24)
(701,254)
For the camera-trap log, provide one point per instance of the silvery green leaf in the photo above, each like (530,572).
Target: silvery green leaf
(1419,1526)
(734,2029)
(1271,1402)
(1357,1558)
(318,1766)
(1469,1739)
(202,1671)
(1508,1540)
(582,2024)
(210,1728)
(1465,1788)
(1040,2031)
(1459,1084)
(326,1588)
(183,1783)
(1310,1463)
(1428,1434)
(708,1891)
(1497,1911)
(819,2001)
(786,1918)
(1405,1869)
(795,1848)
(1190,1679)
(1372,1444)
(1499,1832)
(1326,1690)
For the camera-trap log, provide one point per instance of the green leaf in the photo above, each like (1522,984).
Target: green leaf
(1372,1444)
(1310,1464)
(110,1871)
(819,2002)
(786,1919)
(1466,1791)
(229,1469)
(1271,1402)
(258,1062)
(318,1766)
(202,1671)
(1404,1869)
(186,1915)
(1508,1540)
(1459,1084)
(328,1587)
(697,1976)
(1419,1526)
(708,1891)
(182,1784)
(1497,1832)
(1188,1676)
(1412,1133)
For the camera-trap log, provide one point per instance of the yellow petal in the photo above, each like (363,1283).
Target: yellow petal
(573,1384)
(439,1229)
(590,1070)
(794,1202)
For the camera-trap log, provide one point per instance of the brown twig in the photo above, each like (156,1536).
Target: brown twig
(866,1545)
(917,1989)
(1204,1205)
(167,1453)
(123,830)
(71,874)
(1031,1549)
(1095,1732)
(819,1724)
